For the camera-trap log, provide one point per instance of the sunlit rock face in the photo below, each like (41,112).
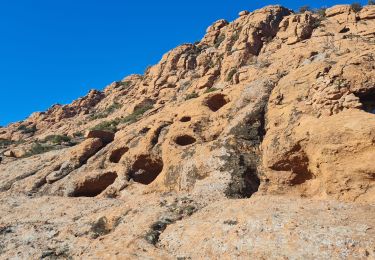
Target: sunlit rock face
(261,132)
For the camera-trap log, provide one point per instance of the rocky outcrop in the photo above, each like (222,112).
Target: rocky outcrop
(274,108)
(296,28)
(367,13)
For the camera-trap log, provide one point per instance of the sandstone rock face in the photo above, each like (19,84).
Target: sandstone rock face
(298,27)
(368,12)
(256,142)
(105,136)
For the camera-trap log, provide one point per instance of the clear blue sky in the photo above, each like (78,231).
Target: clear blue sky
(54,51)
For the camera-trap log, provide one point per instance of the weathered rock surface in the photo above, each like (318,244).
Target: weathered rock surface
(256,142)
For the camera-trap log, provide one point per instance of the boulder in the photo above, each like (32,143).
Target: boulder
(9,153)
(243,13)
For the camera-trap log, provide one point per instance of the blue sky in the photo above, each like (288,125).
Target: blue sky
(55,51)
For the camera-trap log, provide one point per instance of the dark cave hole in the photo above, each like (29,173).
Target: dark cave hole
(117,154)
(216,102)
(145,169)
(185,119)
(368,102)
(95,186)
(184,140)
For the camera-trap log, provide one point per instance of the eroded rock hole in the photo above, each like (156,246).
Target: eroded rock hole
(185,119)
(145,169)
(368,102)
(95,186)
(184,140)
(216,102)
(245,181)
(117,154)
(344,30)
(252,182)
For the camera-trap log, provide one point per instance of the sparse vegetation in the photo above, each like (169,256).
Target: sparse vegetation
(136,114)
(38,148)
(57,139)
(318,22)
(321,11)
(132,118)
(231,74)
(110,126)
(191,96)
(27,130)
(304,9)
(231,222)
(356,7)
(235,37)
(122,84)
(4,143)
(152,236)
(219,40)
(109,110)
(371,2)
(210,90)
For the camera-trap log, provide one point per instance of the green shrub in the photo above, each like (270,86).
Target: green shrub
(356,7)
(235,37)
(210,90)
(191,96)
(4,143)
(122,84)
(132,118)
(321,11)
(135,116)
(304,9)
(27,130)
(219,40)
(371,2)
(110,126)
(112,108)
(57,139)
(109,110)
(231,74)
(38,148)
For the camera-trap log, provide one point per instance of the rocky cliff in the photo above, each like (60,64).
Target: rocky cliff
(256,142)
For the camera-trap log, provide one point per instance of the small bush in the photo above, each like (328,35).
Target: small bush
(112,108)
(38,148)
(4,143)
(110,126)
(235,37)
(304,9)
(135,116)
(371,2)
(57,139)
(124,84)
(132,118)
(321,11)
(219,40)
(356,7)
(231,74)
(27,130)
(109,110)
(191,96)
(210,90)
